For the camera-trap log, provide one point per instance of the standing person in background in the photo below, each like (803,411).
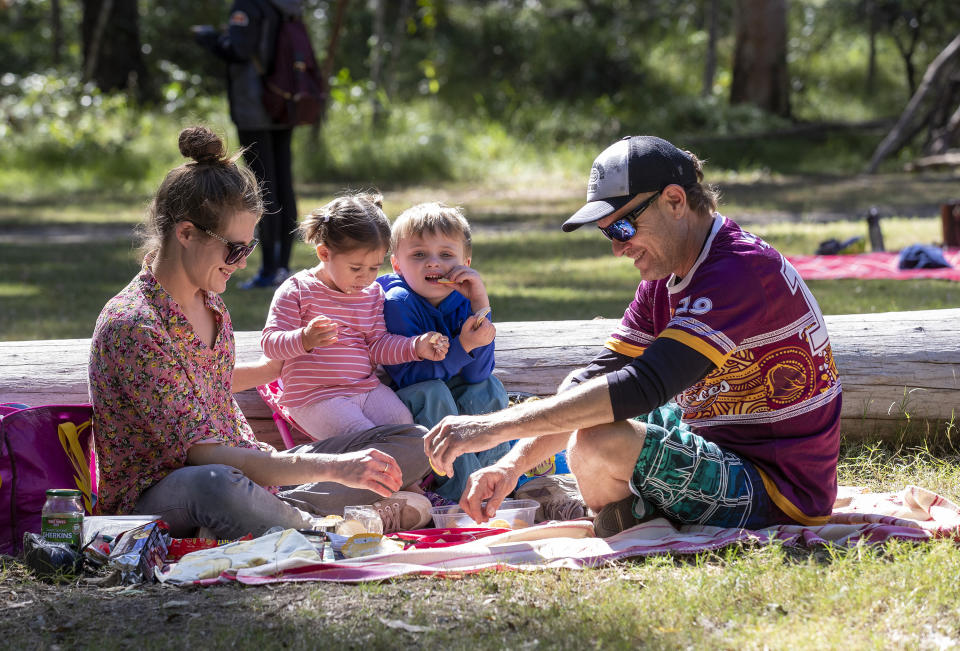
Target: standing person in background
(248,46)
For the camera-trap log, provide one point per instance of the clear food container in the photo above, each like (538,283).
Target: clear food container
(512,514)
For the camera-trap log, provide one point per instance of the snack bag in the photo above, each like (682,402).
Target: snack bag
(139,551)
(554,465)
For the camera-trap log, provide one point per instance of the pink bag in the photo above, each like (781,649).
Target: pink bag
(40,448)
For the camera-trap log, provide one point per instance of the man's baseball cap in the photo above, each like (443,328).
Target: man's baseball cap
(629,167)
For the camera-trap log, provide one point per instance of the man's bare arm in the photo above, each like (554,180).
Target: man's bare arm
(583,406)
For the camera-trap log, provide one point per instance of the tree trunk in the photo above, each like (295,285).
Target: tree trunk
(111,46)
(56,31)
(710,60)
(913,118)
(377,53)
(760,74)
(396,45)
(872,23)
(327,68)
(898,369)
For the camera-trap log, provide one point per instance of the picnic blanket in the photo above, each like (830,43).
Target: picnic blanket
(880,265)
(913,514)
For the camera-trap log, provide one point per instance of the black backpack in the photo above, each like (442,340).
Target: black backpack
(294,91)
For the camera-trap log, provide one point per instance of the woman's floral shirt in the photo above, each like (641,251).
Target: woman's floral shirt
(157,389)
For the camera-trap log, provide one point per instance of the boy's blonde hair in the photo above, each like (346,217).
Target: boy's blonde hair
(432,217)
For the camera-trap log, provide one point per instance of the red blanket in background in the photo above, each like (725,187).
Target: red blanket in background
(871,266)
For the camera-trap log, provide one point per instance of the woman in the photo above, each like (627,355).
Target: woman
(170,438)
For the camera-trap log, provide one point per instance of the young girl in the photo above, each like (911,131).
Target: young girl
(326,324)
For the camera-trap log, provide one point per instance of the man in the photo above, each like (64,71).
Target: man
(722,322)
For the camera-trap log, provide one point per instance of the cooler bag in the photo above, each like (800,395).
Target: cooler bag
(41,447)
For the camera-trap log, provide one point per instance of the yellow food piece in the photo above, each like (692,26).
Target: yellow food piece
(500,523)
(350,528)
(439,472)
(327,521)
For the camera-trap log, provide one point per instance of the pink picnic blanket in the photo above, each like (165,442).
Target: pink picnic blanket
(859,517)
(870,265)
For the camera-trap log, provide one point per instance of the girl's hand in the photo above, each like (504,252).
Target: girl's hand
(432,346)
(321,331)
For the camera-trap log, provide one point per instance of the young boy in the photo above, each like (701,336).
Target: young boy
(434,289)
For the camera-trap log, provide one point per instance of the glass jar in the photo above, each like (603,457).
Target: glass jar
(62,516)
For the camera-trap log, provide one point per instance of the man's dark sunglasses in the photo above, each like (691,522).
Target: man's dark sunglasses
(626,227)
(236,251)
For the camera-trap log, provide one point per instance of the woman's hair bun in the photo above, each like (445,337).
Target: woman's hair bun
(202,145)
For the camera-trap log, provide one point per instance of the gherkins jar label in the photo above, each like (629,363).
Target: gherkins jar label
(65,528)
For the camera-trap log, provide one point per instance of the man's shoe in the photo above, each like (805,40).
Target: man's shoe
(257,282)
(403,511)
(558,496)
(615,517)
(282,274)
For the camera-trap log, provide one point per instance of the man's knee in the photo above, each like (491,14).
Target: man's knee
(608,444)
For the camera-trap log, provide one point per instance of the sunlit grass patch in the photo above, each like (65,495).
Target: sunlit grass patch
(12,290)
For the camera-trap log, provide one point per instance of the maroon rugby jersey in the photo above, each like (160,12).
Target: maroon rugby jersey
(774,397)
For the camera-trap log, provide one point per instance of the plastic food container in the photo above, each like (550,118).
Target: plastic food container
(513,514)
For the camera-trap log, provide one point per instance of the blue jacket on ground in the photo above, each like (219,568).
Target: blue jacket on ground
(409,314)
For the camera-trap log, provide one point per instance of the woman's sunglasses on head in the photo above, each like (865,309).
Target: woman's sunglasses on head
(626,227)
(236,251)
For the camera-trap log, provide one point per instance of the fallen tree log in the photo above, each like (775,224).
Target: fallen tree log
(900,370)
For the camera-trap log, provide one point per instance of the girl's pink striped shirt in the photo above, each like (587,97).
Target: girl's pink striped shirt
(345,368)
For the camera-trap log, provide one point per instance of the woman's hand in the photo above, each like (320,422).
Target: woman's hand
(367,469)
(370,469)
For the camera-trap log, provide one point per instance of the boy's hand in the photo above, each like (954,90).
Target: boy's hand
(470,284)
(472,336)
(432,346)
(321,331)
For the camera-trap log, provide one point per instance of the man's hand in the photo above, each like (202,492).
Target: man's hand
(456,435)
(321,331)
(492,484)
(432,346)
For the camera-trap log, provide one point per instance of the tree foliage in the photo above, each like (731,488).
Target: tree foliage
(564,71)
